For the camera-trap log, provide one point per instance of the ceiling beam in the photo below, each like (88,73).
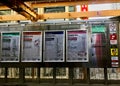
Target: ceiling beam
(81,14)
(67,15)
(21,8)
(12,17)
(73,3)
(3,7)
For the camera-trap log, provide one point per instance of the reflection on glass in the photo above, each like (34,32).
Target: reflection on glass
(62,73)
(46,73)
(31,73)
(13,73)
(78,73)
(98,49)
(2,72)
(113,73)
(97,73)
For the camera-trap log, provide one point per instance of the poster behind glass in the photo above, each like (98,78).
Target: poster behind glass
(54,46)
(10,46)
(32,46)
(77,46)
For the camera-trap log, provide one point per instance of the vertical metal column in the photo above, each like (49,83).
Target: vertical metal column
(6,73)
(22,74)
(71,75)
(38,74)
(54,76)
(105,76)
(88,76)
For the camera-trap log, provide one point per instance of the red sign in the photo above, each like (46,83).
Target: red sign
(84,8)
(113,36)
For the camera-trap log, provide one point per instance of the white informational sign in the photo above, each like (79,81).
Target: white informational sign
(77,46)
(32,46)
(54,46)
(115,61)
(113,28)
(10,46)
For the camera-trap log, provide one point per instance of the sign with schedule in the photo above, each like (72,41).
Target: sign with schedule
(10,46)
(77,46)
(54,46)
(32,46)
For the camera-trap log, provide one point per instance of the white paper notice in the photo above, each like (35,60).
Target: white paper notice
(32,46)
(77,49)
(54,44)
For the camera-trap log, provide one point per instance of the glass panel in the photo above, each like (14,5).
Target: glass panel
(46,73)
(5,12)
(78,73)
(13,73)
(97,73)
(62,73)
(71,8)
(31,73)
(113,73)
(98,49)
(54,9)
(2,72)
(98,39)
